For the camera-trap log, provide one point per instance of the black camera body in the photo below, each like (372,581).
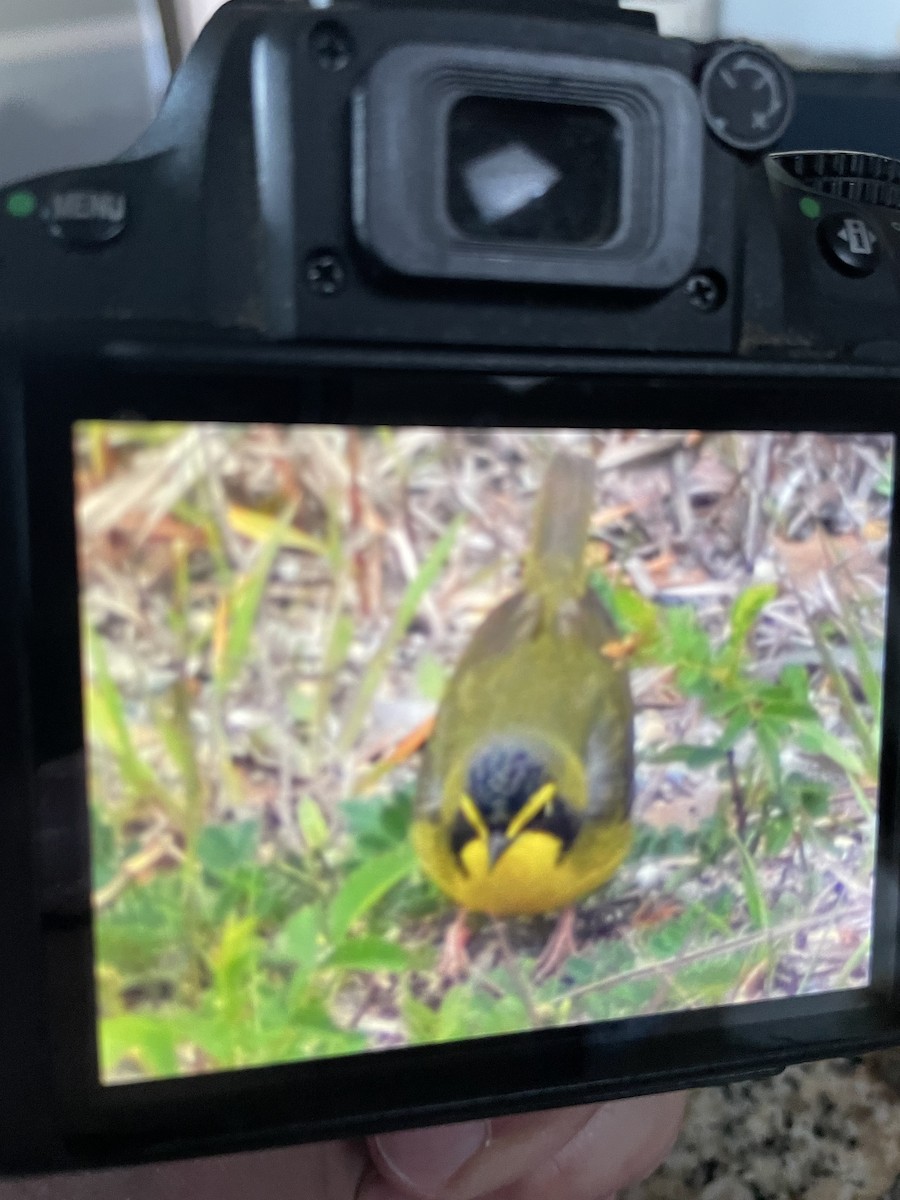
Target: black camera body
(433,216)
(297,188)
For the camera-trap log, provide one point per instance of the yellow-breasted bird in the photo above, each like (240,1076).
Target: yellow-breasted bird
(524,795)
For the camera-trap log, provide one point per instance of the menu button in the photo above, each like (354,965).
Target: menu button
(83,218)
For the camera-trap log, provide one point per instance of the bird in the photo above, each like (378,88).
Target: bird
(524,795)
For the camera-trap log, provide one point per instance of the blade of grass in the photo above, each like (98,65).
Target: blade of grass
(753,893)
(748,941)
(427,576)
(107,716)
(243,604)
(261,527)
(851,710)
(869,676)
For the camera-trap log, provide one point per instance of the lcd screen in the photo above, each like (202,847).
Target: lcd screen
(399,736)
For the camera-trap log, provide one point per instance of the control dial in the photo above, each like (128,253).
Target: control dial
(859,178)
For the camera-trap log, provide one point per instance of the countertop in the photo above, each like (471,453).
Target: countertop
(823,1131)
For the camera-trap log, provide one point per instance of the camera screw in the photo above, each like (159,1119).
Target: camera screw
(324,273)
(331,45)
(706,291)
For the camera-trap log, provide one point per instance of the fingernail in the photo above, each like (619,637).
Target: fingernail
(426,1159)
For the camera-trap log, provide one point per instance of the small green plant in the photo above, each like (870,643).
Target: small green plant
(757,718)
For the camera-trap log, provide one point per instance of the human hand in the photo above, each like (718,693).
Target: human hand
(585,1153)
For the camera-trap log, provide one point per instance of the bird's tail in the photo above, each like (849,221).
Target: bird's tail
(554,565)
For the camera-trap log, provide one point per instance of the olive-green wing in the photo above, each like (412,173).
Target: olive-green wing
(609,749)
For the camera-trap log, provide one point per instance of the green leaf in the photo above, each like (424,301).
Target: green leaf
(815,739)
(421,1021)
(767,734)
(370,954)
(312,824)
(694,757)
(298,939)
(813,795)
(366,886)
(633,614)
(669,939)
(148,1040)
(378,823)
(777,832)
(785,709)
(753,893)
(689,642)
(795,681)
(221,848)
(745,611)
(738,724)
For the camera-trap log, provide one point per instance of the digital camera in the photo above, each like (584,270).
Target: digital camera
(448,624)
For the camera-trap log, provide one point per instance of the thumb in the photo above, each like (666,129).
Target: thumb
(421,1162)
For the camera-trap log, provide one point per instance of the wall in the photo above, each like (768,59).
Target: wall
(79,81)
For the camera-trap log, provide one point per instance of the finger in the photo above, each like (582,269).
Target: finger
(460,1162)
(621,1144)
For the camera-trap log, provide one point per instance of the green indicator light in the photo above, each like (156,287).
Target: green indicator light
(810,208)
(21,204)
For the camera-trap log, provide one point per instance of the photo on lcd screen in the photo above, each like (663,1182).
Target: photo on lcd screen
(399,736)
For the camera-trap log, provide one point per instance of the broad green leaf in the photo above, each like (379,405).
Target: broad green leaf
(795,681)
(370,954)
(378,823)
(298,939)
(221,848)
(738,724)
(366,886)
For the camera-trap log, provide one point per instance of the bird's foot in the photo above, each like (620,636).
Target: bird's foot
(454,963)
(560,947)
